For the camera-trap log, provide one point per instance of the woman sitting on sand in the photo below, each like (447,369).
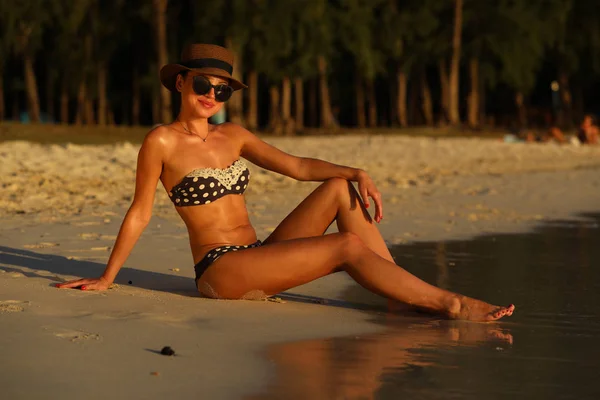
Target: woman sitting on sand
(200,167)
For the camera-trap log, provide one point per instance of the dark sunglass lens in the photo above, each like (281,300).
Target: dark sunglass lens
(223,93)
(201,85)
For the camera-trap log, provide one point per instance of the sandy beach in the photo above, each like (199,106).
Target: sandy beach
(60,210)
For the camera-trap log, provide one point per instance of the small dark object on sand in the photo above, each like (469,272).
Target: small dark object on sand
(167,351)
(130,282)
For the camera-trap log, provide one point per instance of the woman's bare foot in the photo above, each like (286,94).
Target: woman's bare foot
(468,309)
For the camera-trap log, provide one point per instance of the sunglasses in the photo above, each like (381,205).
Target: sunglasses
(202,86)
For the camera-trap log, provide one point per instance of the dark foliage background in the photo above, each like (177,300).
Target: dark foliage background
(309,63)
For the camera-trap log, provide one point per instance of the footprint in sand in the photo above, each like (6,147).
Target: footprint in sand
(100,248)
(41,245)
(89,236)
(73,335)
(7,306)
(86,223)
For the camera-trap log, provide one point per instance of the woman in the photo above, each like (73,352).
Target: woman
(230,262)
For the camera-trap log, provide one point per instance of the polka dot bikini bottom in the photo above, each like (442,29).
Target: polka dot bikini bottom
(214,254)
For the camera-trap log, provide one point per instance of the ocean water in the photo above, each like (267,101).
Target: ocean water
(549,349)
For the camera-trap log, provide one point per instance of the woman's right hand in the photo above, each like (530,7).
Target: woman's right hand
(86,284)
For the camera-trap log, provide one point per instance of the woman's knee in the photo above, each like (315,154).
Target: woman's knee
(351,245)
(340,189)
(336,185)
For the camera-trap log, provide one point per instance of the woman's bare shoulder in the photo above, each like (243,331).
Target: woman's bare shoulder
(235,131)
(159,142)
(160,132)
(159,136)
(230,127)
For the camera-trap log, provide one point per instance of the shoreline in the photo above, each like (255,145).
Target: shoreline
(110,339)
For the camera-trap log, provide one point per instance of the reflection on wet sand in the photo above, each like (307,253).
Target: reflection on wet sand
(549,273)
(356,367)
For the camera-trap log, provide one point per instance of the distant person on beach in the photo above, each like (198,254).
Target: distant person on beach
(201,168)
(587,133)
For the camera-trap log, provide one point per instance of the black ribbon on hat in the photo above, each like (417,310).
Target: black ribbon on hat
(208,63)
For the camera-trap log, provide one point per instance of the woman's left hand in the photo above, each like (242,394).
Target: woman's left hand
(367,189)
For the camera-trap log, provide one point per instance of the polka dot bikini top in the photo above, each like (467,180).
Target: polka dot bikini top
(205,185)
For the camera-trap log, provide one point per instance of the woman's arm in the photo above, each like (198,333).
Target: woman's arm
(149,168)
(307,169)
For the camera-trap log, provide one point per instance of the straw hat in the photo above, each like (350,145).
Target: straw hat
(208,59)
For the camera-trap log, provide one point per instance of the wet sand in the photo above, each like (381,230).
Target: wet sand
(61,206)
(547,350)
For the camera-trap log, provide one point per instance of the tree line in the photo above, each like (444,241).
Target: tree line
(366,63)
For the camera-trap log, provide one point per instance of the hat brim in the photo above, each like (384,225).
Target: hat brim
(168,76)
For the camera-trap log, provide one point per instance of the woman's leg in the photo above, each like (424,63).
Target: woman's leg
(282,265)
(334,200)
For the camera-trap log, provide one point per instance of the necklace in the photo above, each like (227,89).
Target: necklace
(192,133)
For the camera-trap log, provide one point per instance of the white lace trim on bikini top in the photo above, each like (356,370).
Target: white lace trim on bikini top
(228,176)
